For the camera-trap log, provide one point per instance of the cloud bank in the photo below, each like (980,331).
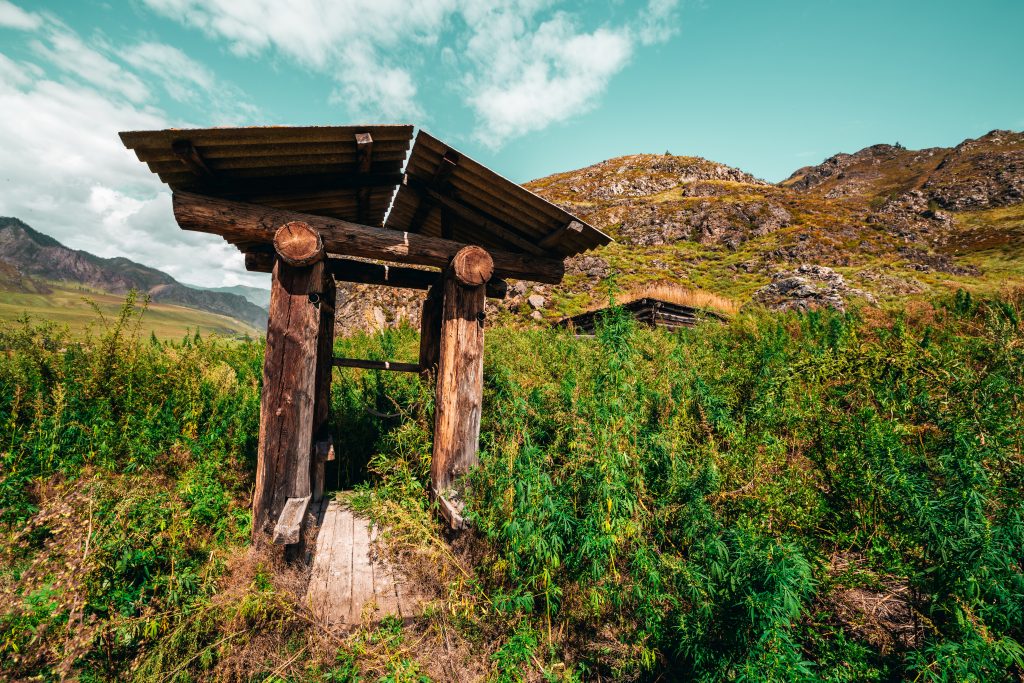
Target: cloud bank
(519,65)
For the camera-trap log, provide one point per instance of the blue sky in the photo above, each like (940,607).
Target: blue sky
(529,87)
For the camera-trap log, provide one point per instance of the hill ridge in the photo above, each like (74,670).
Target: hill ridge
(38,256)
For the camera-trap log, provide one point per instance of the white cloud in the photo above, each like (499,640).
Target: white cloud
(527,80)
(66,173)
(12,16)
(352,41)
(658,22)
(521,65)
(189,82)
(63,48)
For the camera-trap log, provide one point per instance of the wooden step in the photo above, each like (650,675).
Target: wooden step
(350,584)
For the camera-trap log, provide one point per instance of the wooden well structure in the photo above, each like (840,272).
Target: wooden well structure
(311,206)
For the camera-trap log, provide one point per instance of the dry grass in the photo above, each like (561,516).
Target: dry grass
(684,296)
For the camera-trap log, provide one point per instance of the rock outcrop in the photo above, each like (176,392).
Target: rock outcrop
(808,287)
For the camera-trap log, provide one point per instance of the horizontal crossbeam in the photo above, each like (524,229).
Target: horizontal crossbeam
(255,224)
(376,365)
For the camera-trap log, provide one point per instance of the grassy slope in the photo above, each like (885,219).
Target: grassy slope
(69,306)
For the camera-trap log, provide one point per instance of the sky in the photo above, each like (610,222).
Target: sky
(527,87)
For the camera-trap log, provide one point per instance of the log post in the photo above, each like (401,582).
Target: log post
(430,329)
(459,378)
(287,399)
(322,405)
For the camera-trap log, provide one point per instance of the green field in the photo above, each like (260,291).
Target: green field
(76,307)
(797,497)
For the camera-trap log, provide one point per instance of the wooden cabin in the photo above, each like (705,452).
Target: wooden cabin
(646,311)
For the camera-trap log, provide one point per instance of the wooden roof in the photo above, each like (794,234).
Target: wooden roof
(478,206)
(352,172)
(332,171)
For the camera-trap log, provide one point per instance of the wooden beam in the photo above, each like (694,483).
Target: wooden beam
(376,365)
(191,157)
(253,223)
(473,216)
(438,181)
(285,185)
(459,396)
(259,261)
(364,145)
(287,399)
(556,236)
(366,273)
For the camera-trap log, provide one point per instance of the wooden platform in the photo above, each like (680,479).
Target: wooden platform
(350,584)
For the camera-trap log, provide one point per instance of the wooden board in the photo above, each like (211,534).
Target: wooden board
(350,581)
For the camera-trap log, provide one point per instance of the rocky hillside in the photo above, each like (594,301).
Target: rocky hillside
(29,258)
(882,222)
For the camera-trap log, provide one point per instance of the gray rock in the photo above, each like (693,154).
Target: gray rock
(809,286)
(536,301)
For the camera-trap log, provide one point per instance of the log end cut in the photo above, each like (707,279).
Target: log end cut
(473,266)
(298,244)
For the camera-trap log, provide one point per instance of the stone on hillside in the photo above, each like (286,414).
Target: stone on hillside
(594,267)
(536,301)
(809,286)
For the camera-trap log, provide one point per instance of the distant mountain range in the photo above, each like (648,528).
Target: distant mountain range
(260,297)
(29,260)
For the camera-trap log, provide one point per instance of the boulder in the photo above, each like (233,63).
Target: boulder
(809,286)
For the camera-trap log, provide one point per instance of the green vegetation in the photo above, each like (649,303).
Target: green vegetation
(797,497)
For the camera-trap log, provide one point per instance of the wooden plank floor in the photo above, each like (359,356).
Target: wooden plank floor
(349,584)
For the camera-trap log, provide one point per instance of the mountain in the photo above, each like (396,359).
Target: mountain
(883,223)
(255,295)
(38,258)
(887,221)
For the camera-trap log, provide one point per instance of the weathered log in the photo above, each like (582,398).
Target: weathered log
(298,244)
(472,266)
(324,365)
(556,236)
(430,329)
(286,403)
(459,386)
(394,366)
(253,223)
(363,272)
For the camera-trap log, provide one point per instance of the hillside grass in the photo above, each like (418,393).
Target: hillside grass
(77,308)
(816,496)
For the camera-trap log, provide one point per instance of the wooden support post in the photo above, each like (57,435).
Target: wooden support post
(459,378)
(286,404)
(289,386)
(430,329)
(322,406)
